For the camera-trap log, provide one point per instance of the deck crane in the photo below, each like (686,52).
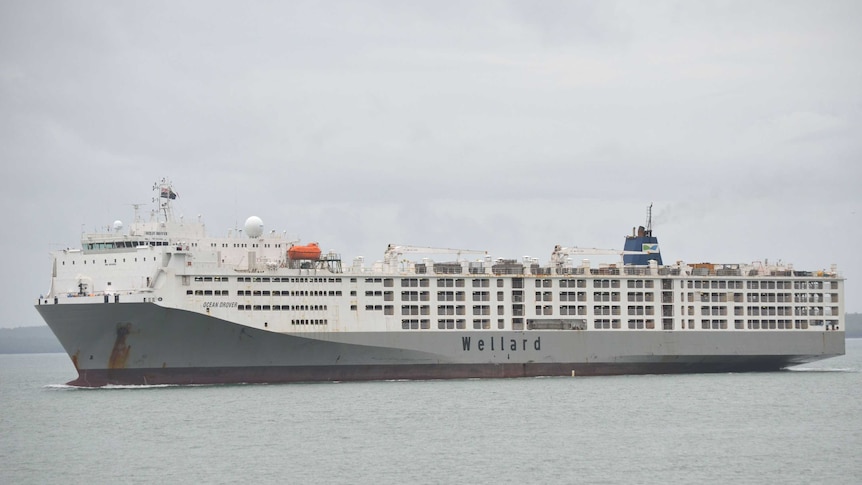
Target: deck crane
(393,252)
(560,253)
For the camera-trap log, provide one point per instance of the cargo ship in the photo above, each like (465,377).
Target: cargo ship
(162,302)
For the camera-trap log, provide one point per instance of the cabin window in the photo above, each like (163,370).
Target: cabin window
(481,310)
(445,296)
(444,324)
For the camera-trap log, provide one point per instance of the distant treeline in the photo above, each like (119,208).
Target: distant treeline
(854,325)
(40,340)
(28,340)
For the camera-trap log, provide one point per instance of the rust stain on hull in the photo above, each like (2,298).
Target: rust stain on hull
(75,359)
(120,352)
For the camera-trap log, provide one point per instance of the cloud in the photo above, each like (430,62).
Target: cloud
(799,127)
(499,125)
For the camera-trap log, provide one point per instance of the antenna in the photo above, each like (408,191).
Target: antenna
(649,220)
(137,208)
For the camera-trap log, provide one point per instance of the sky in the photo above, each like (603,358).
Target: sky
(506,126)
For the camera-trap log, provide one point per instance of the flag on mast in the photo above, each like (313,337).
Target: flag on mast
(168,193)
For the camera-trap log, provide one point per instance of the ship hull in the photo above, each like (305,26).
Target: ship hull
(147,344)
(287,374)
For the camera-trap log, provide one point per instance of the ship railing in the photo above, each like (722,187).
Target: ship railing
(101,296)
(568,270)
(91,294)
(541,270)
(637,270)
(477,268)
(612,271)
(507,269)
(728,272)
(447,268)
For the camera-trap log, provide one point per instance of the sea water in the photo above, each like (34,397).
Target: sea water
(797,426)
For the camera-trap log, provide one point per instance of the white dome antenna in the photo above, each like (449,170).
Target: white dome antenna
(254,227)
(118,226)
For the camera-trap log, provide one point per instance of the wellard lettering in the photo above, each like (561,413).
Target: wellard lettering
(501,343)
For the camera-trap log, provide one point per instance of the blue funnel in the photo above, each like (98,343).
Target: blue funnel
(642,240)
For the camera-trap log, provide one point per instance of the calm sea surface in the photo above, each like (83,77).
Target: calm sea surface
(799,426)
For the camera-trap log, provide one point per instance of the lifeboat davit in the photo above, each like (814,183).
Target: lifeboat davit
(309,251)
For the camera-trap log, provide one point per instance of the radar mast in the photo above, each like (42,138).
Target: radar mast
(165,194)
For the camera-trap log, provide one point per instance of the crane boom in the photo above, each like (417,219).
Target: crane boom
(558,256)
(394,251)
(397,250)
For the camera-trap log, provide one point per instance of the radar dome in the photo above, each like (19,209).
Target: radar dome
(253,226)
(118,225)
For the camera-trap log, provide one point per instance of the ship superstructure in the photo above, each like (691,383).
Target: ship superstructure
(165,303)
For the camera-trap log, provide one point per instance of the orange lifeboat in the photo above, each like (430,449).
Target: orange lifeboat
(309,251)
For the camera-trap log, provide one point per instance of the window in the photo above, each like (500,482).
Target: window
(445,296)
(601,296)
(568,310)
(481,310)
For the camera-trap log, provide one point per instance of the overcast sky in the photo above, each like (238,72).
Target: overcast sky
(503,126)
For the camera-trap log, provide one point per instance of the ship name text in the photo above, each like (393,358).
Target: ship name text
(500,344)
(219,304)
